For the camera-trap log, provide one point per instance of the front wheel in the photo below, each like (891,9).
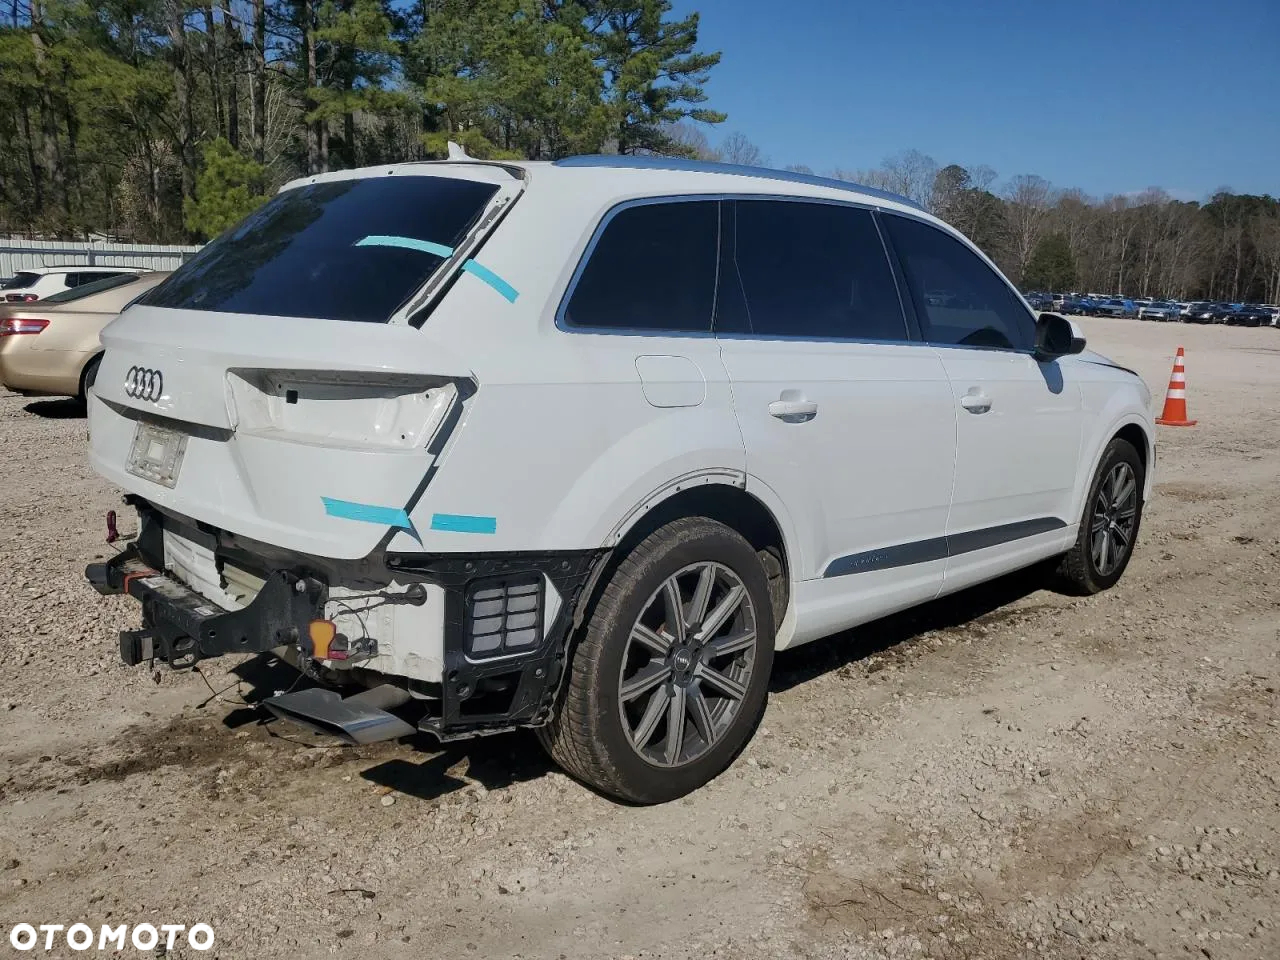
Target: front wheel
(1109,527)
(670,678)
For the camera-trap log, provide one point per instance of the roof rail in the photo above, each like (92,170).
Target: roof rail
(648,162)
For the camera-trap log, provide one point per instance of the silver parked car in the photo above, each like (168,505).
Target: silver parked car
(1160,310)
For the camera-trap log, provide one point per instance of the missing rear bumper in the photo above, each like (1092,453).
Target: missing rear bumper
(181,627)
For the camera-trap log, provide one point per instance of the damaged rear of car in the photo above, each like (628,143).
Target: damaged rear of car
(275,412)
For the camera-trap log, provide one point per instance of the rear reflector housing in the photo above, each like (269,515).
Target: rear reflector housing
(21,297)
(504,616)
(13,326)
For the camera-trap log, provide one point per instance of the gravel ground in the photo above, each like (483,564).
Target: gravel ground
(1006,773)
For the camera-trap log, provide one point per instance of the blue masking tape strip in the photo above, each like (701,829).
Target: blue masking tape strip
(368,513)
(408,243)
(459,523)
(506,290)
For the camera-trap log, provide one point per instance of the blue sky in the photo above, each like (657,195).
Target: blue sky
(1111,96)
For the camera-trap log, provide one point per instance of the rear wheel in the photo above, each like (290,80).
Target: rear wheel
(87,378)
(1109,527)
(670,679)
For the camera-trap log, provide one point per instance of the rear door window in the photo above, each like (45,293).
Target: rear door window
(811,270)
(961,301)
(652,268)
(344,250)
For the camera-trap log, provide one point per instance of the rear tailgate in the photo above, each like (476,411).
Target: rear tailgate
(308,434)
(272,386)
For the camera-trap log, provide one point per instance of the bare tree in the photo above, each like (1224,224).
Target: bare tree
(258,80)
(1029,198)
(982,177)
(912,175)
(1266,234)
(736,148)
(868,178)
(690,141)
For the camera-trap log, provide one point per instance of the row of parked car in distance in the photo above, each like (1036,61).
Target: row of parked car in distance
(1147,308)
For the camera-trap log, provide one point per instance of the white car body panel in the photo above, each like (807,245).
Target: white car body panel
(497,431)
(877,404)
(1017,454)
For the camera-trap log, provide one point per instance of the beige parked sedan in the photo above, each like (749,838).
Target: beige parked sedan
(50,347)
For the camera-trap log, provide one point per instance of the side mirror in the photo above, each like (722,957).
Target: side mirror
(1057,337)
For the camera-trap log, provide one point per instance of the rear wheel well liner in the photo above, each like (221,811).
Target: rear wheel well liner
(722,502)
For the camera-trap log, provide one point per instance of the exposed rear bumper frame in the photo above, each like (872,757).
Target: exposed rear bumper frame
(181,627)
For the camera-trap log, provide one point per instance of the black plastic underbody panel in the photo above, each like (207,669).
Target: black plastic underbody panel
(487,696)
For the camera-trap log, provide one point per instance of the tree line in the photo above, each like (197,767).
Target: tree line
(164,120)
(168,120)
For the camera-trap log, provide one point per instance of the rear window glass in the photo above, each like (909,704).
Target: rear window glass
(109,282)
(20,280)
(346,250)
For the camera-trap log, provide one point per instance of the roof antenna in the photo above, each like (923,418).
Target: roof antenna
(458,153)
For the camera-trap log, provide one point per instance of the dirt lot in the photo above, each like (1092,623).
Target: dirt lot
(1008,773)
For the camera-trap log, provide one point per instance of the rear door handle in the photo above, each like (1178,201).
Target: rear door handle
(976,402)
(793,411)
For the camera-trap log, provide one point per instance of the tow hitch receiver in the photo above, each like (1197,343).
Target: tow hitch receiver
(362,718)
(181,627)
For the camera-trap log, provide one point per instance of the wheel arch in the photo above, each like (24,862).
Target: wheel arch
(1137,432)
(723,502)
(1141,440)
(89,365)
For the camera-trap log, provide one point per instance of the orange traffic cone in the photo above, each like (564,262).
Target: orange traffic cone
(1175,401)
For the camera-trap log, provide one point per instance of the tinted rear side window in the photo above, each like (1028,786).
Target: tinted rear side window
(21,281)
(652,268)
(961,301)
(80,279)
(99,283)
(813,270)
(346,250)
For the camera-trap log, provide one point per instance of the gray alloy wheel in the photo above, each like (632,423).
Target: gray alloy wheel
(669,677)
(1109,527)
(687,664)
(1114,517)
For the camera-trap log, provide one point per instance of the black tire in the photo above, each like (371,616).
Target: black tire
(1080,572)
(87,378)
(587,736)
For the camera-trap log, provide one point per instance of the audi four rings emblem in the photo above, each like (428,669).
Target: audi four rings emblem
(143,384)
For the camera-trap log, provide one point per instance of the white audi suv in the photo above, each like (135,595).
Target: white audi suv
(578,445)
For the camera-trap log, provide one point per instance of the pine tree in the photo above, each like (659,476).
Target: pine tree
(228,189)
(1051,266)
(654,75)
